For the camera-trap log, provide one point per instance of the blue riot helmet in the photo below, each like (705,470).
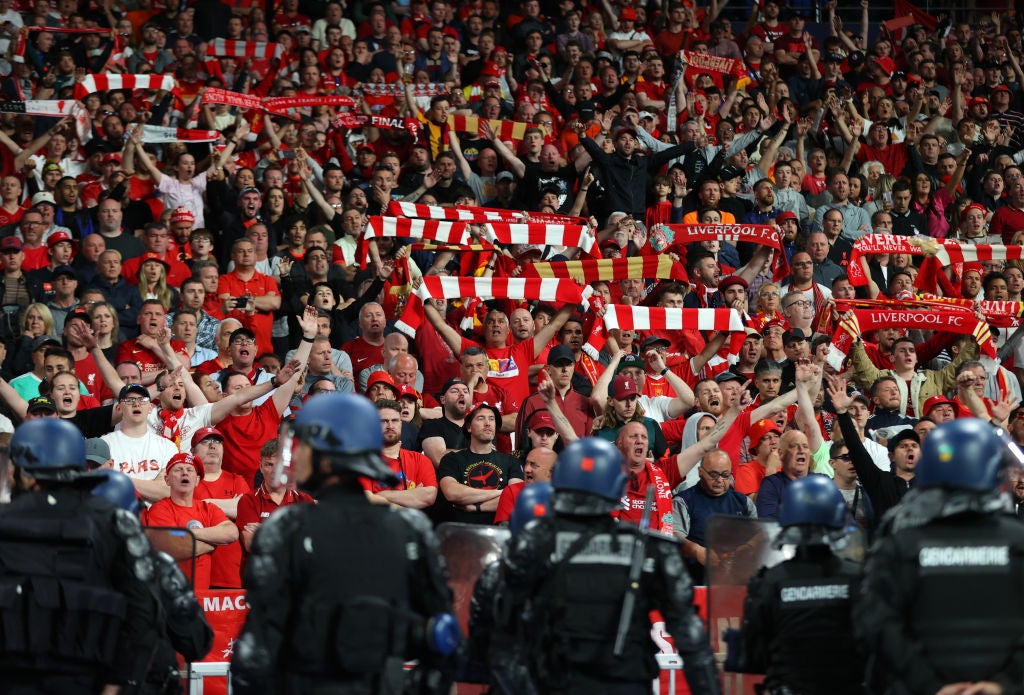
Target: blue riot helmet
(813,500)
(964,454)
(48,449)
(346,430)
(531,504)
(118,488)
(589,478)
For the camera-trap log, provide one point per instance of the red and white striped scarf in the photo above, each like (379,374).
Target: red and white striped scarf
(231,48)
(541,233)
(431,89)
(103,83)
(998,314)
(656,318)
(951,319)
(609,269)
(352,121)
(467,213)
(433,286)
(282,105)
(441,231)
(762,234)
(159,134)
(948,252)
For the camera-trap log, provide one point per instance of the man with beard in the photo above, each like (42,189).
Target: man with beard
(443,435)
(534,176)
(417,481)
(474,368)
(472,479)
(795,452)
(509,364)
(249,202)
(207,523)
(145,349)
(537,468)
(136,450)
(885,489)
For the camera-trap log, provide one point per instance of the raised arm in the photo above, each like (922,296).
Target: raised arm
(448,334)
(518,168)
(84,335)
(545,335)
(149,166)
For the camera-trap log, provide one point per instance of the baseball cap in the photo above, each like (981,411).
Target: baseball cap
(760,428)
(97,451)
(628,362)
(43,403)
(935,401)
(653,340)
(624,387)
(541,420)
(454,381)
(80,314)
(728,376)
(241,333)
(627,13)
(382,377)
(43,197)
(406,391)
(627,130)
(136,389)
(44,340)
(506,176)
(561,353)
(728,173)
(182,214)
(250,189)
(111,157)
(902,435)
(58,237)
(204,433)
(794,334)
(189,460)
(772,324)
(732,280)
(477,407)
(786,215)
(10,243)
(153,256)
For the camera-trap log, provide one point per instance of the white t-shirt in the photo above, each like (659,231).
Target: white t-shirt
(191,420)
(656,408)
(142,458)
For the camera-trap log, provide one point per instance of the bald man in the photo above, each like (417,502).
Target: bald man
(537,468)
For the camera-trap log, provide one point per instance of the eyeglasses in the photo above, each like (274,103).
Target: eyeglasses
(802,303)
(243,341)
(842,457)
(134,401)
(802,264)
(769,294)
(715,475)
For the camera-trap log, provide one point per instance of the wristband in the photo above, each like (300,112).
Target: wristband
(307,340)
(992,421)
(274,382)
(478,507)
(664,371)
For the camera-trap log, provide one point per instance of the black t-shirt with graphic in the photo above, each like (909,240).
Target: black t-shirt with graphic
(490,471)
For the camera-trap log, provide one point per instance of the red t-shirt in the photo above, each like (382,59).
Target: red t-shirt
(227,559)
(244,435)
(363,355)
(510,367)
(443,363)
(129,351)
(35,259)
(1007,221)
(412,468)
(259,285)
(89,374)
(200,515)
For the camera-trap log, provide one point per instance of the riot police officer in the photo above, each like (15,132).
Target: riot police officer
(797,622)
(182,626)
(941,610)
(343,592)
(494,624)
(75,574)
(572,568)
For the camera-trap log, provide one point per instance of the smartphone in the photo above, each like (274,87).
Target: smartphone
(241,302)
(887,198)
(287,154)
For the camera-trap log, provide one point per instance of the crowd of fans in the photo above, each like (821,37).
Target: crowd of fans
(179,297)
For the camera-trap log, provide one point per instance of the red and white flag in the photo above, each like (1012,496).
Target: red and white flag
(103,83)
(160,134)
(656,318)
(437,230)
(541,233)
(230,48)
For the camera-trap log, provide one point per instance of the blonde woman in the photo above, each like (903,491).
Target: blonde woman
(36,322)
(153,282)
(105,327)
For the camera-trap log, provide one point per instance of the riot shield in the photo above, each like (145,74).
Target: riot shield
(737,548)
(468,548)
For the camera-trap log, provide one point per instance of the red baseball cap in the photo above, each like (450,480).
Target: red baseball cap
(406,391)
(204,433)
(189,460)
(760,428)
(623,387)
(382,377)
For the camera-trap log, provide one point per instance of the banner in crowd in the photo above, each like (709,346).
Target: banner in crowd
(230,48)
(505,130)
(468,213)
(609,269)
(947,252)
(161,134)
(360,120)
(656,318)
(886,314)
(441,231)
(762,234)
(37,107)
(541,234)
(225,611)
(282,105)
(431,89)
(437,287)
(702,62)
(216,95)
(103,83)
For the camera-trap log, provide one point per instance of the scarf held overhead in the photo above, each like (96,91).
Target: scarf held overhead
(468,213)
(947,252)
(646,318)
(762,234)
(103,83)
(609,269)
